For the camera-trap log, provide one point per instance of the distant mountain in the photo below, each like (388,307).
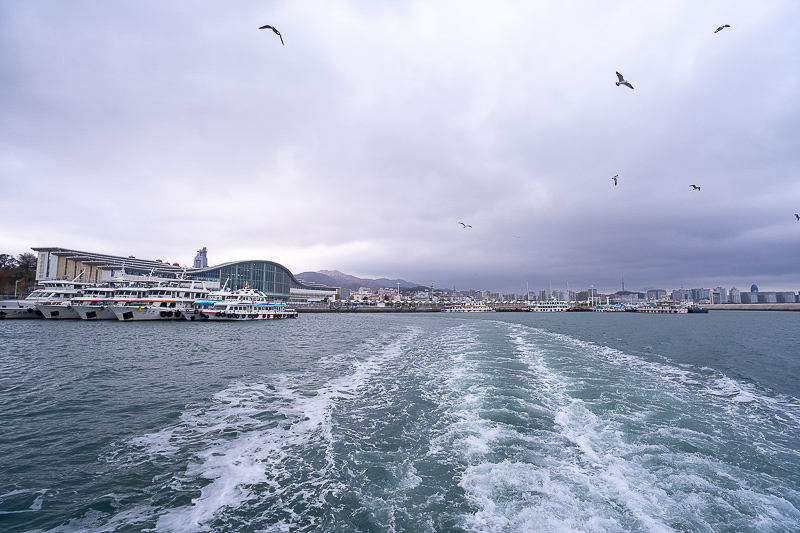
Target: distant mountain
(334,278)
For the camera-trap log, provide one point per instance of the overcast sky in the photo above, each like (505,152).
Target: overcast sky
(153,128)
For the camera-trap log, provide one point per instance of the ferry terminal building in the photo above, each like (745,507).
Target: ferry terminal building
(273,279)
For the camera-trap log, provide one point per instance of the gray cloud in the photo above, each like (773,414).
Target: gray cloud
(149,129)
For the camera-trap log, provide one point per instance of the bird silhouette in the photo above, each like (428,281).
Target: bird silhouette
(267,26)
(797,216)
(615,179)
(623,81)
(695,187)
(721,27)
(465,225)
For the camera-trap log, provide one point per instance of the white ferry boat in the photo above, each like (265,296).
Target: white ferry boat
(54,298)
(549,306)
(470,307)
(663,307)
(241,304)
(94,303)
(168,300)
(16,309)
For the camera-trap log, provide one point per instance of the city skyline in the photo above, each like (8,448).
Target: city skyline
(442,142)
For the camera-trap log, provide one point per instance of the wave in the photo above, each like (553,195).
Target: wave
(470,425)
(626,444)
(261,445)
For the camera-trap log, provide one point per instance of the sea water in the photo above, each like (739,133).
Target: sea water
(403,422)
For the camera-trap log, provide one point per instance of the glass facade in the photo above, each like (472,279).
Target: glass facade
(270,278)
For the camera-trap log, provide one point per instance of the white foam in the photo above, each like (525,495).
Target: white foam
(257,455)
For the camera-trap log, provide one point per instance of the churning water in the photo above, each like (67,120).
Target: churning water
(424,422)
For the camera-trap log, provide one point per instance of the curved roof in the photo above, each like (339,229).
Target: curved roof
(230,263)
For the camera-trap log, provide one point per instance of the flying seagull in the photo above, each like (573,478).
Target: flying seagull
(622,81)
(721,27)
(695,187)
(797,216)
(267,26)
(615,179)
(465,225)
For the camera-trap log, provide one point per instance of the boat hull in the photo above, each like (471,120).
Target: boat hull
(13,310)
(94,312)
(126,313)
(58,311)
(214,316)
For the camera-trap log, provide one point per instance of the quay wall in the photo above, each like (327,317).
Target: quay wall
(519,307)
(366,309)
(752,307)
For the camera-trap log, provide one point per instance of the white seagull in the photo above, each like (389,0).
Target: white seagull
(465,225)
(622,81)
(721,27)
(695,187)
(267,26)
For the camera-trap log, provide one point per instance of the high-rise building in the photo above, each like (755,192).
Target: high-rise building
(719,296)
(734,296)
(681,295)
(656,294)
(201,259)
(750,297)
(544,295)
(701,294)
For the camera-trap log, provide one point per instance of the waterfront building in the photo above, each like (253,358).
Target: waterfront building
(719,296)
(656,294)
(786,297)
(749,297)
(698,295)
(271,278)
(680,295)
(627,297)
(767,298)
(734,296)
(544,295)
(561,296)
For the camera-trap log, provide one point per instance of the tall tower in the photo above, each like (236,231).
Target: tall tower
(201,259)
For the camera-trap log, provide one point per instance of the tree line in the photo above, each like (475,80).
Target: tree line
(17,272)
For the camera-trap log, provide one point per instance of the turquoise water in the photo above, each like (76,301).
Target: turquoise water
(425,422)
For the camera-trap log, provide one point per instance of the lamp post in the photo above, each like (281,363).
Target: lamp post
(15,289)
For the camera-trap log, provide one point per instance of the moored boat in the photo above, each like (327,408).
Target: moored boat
(471,307)
(168,300)
(239,305)
(53,299)
(549,306)
(670,307)
(15,309)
